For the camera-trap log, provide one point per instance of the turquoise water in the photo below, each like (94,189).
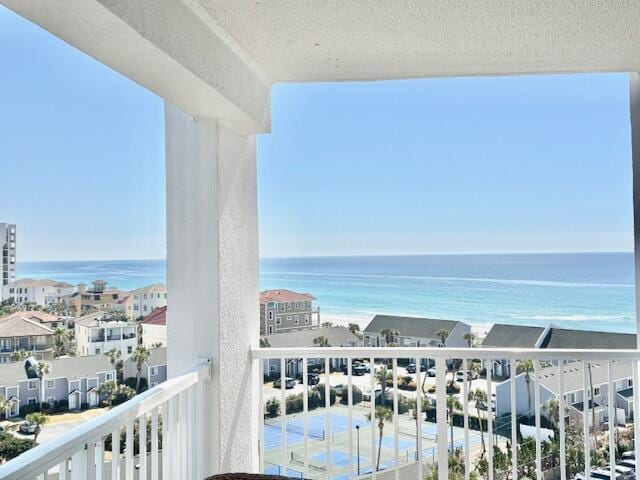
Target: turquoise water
(585,290)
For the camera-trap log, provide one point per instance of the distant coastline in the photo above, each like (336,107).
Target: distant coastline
(577,290)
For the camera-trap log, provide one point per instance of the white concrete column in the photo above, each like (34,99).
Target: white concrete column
(212,270)
(634,101)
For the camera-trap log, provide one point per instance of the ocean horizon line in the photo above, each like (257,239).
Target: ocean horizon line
(373,255)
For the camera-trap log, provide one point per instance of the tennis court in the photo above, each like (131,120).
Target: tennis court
(316,429)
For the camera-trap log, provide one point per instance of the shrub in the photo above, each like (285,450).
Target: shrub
(27,409)
(273,407)
(84,406)
(11,447)
(131,383)
(356,393)
(62,405)
(319,389)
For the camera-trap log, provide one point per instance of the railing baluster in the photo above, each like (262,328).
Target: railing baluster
(372,411)
(305,412)
(283,414)
(350,413)
(142,446)
(419,415)
(200,430)
(561,419)
(175,438)
(182,413)
(465,413)
(128,451)
(63,470)
(396,442)
(155,473)
(513,366)
(115,454)
(441,414)
(91,461)
(538,413)
(79,465)
(167,441)
(585,421)
(490,418)
(192,440)
(612,419)
(261,412)
(327,413)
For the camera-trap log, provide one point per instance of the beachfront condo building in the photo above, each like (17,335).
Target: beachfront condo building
(141,302)
(8,243)
(99,297)
(287,311)
(97,333)
(43,292)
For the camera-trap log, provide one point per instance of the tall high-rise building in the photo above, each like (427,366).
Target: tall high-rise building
(8,245)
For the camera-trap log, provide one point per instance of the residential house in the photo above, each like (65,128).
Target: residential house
(284,311)
(573,381)
(416,332)
(99,297)
(17,332)
(510,336)
(517,336)
(154,328)
(99,332)
(144,300)
(154,370)
(42,292)
(75,380)
(47,319)
(335,337)
(7,253)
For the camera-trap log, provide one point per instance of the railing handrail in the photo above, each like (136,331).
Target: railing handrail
(47,455)
(448,353)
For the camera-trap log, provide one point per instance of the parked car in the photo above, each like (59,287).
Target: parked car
(358,370)
(626,472)
(629,454)
(289,383)
(471,375)
(313,379)
(411,368)
(431,372)
(600,474)
(27,428)
(628,462)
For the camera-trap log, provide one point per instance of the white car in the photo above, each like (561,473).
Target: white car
(431,372)
(628,462)
(471,375)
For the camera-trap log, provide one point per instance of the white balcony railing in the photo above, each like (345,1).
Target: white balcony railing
(321,439)
(339,441)
(165,415)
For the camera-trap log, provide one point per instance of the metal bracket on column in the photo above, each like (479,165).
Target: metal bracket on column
(206,361)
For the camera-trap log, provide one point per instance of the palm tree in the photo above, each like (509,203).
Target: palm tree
(470,338)
(384,377)
(4,405)
(326,324)
(37,419)
(479,397)
(442,335)
(389,335)
(526,366)
(453,405)
(264,342)
(383,415)
(552,409)
(140,355)
(42,369)
(60,336)
(473,367)
(354,328)
(321,341)
(109,389)
(19,356)
(114,357)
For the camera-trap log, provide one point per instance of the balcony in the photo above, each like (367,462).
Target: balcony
(325,439)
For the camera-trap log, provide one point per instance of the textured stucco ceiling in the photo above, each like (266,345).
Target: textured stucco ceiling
(316,40)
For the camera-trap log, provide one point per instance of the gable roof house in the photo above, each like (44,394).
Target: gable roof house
(416,331)
(17,332)
(75,380)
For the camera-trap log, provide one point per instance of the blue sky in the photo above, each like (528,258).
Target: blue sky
(519,164)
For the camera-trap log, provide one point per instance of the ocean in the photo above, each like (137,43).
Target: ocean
(593,291)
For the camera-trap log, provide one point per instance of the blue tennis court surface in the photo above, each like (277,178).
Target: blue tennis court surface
(278,470)
(389,442)
(316,429)
(338,458)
